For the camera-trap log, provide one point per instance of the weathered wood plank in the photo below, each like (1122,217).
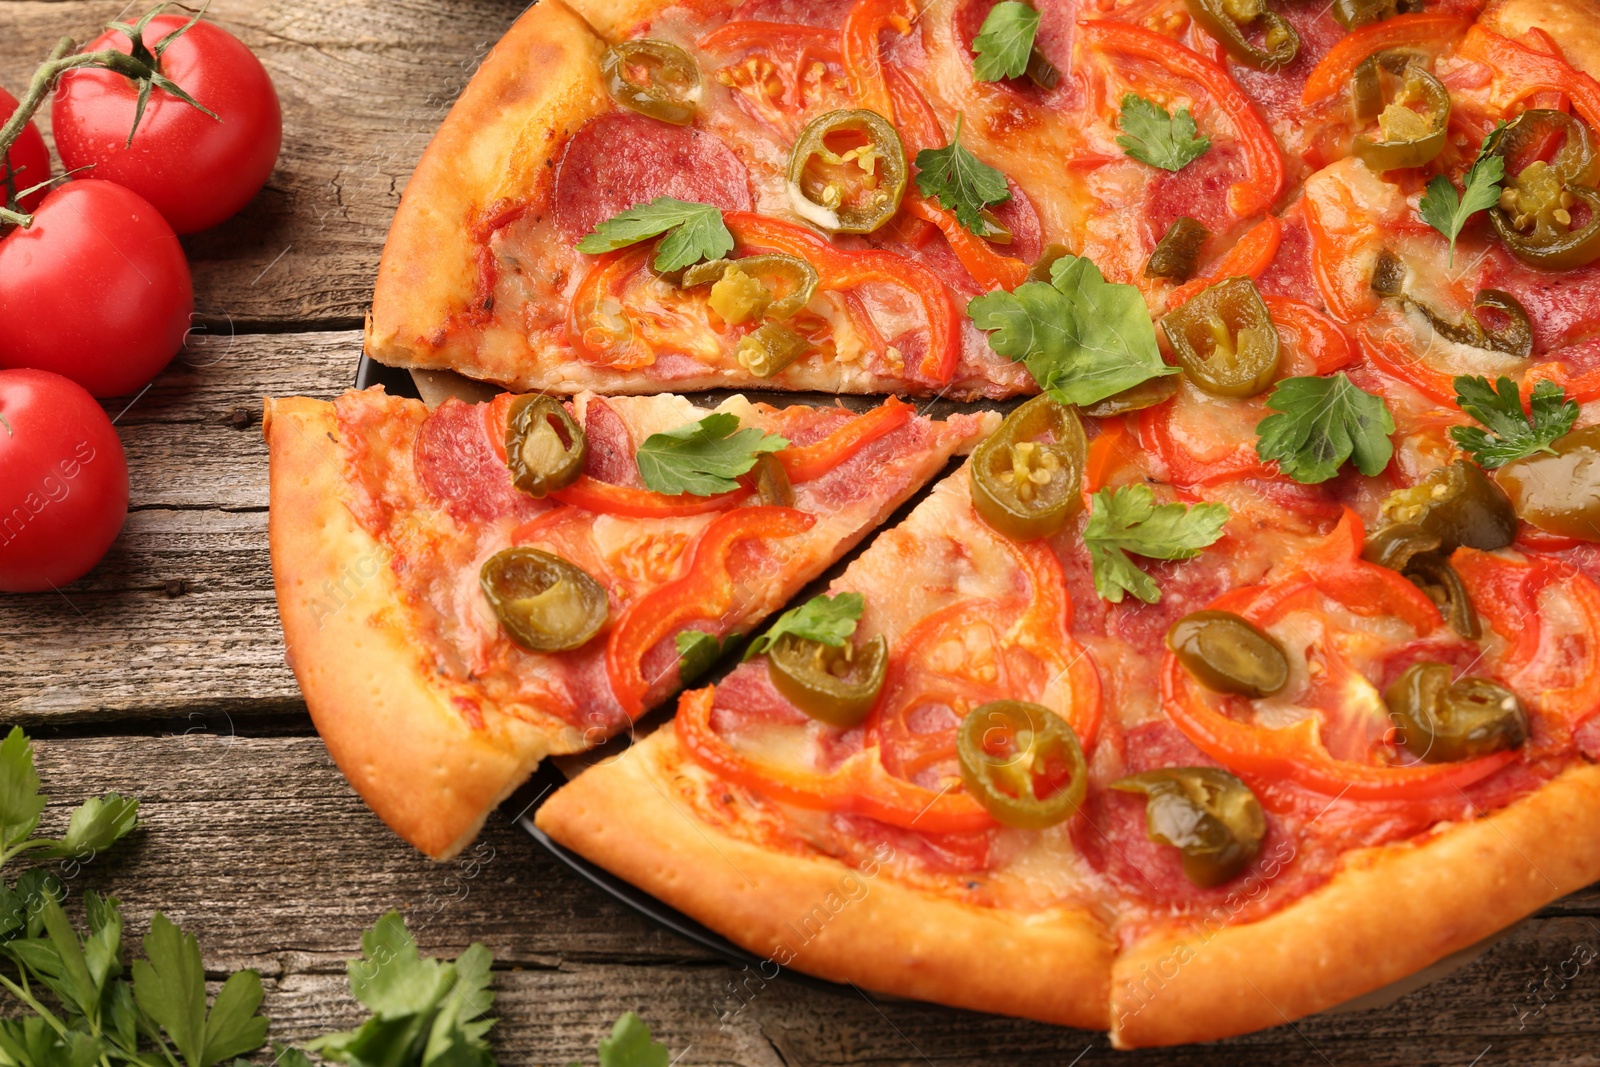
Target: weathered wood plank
(258,847)
(363,87)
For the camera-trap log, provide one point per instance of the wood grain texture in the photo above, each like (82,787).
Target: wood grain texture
(363,85)
(258,847)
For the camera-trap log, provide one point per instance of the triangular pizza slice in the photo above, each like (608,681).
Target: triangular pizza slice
(467,590)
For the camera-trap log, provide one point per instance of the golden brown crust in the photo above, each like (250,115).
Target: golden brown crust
(1388,912)
(390,727)
(538,84)
(1573,24)
(821,916)
(616,19)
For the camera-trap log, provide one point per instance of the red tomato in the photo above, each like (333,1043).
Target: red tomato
(28,160)
(97,289)
(196,170)
(63,481)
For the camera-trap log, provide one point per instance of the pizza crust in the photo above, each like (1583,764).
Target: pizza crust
(616,19)
(821,916)
(1387,913)
(538,84)
(389,724)
(1573,24)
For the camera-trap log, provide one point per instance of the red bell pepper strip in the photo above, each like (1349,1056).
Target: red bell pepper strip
(1384,344)
(1332,569)
(1582,387)
(1531,71)
(603,498)
(1249,257)
(1262,157)
(1337,69)
(704,592)
(804,462)
(1107,452)
(1315,338)
(841,268)
(863,60)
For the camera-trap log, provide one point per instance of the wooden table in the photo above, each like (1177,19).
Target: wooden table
(162,673)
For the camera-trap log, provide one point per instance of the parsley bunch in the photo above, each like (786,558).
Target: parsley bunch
(1512,433)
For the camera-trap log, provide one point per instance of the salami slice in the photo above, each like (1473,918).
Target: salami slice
(457,466)
(618,160)
(610,457)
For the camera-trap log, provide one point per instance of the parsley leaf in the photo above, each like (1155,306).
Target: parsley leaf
(1322,422)
(697,651)
(1512,434)
(697,232)
(170,988)
(828,619)
(426,1012)
(1082,338)
(961,181)
(20,800)
(1004,41)
(1129,520)
(94,825)
(1446,211)
(630,1045)
(703,458)
(1152,136)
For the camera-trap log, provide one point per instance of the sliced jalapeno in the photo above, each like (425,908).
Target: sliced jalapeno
(543,603)
(1207,814)
(837,686)
(1559,491)
(1353,13)
(1388,274)
(1178,252)
(1022,762)
(1412,108)
(1040,271)
(545,447)
(1432,573)
(1146,394)
(847,172)
(771,481)
(654,78)
(1234,23)
(1224,339)
(1458,504)
(1027,476)
(769,348)
(1541,204)
(1505,329)
(1443,721)
(1228,653)
(771,285)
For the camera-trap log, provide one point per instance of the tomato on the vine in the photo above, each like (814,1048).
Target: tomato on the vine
(26,164)
(63,481)
(97,289)
(197,170)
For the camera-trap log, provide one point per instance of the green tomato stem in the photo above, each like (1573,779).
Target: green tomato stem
(44,79)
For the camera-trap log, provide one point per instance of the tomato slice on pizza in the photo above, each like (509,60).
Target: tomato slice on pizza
(469,589)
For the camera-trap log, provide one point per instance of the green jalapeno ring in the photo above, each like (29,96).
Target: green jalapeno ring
(1229,20)
(837,686)
(1206,813)
(789,281)
(1147,394)
(1407,138)
(1228,653)
(1558,491)
(1035,742)
(1544,247)
(771,481)
(1445,721)
(672,87)
(769,348)
(825,204)
(1576,162)
(1040,271)
(1458,504)
(1535,215)
(1178,252)
(543,602)
(1224,339)
(1515,338)
(1027,488)
(545,446)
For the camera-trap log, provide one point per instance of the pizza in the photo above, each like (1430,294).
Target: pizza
(1250,663)
(467,590)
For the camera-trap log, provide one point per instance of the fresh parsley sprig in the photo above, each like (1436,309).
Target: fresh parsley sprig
(1005,41)
(1151,135)
(1082,338)
(827,619)
(961,182)
(1512,433)
(1447,211)
(697,651)
(694,232)
(94,825)
(703,458)
(1321,423)
(1129,520)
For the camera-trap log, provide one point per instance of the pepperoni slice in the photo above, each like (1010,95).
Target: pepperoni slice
(610,457)
(457,466)
(621,159)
